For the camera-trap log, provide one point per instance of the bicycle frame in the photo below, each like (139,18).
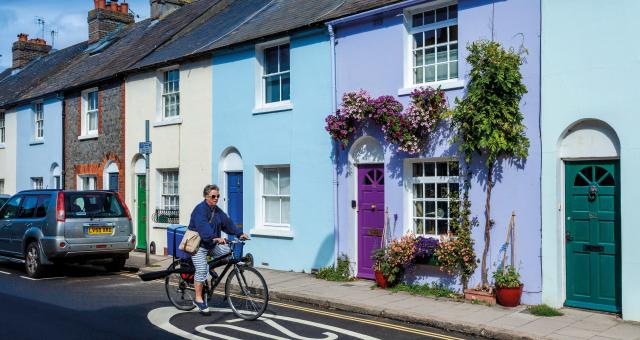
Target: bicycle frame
(219,262)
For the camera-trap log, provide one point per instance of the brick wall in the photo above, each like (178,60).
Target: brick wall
(103,21)
(91,156)
(25,51)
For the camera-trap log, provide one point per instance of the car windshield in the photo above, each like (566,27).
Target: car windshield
(3,200)
(92,204)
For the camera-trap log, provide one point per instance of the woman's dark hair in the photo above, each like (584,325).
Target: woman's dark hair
(208,189)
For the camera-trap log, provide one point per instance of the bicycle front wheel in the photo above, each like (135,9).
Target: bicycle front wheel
(247,292)
(179,287)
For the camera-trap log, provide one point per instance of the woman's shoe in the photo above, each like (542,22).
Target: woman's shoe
(202,306)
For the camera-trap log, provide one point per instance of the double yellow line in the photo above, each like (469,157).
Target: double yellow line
(350,318)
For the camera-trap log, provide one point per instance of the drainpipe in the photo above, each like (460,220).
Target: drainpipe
(62,164)
(334,107)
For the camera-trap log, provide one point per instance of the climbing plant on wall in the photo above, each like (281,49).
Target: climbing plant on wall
(488,120)
(408,130)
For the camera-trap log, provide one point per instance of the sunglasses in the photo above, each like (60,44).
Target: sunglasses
(214,196)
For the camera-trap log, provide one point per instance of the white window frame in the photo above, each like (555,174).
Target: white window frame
(409,85)
(1,185)
(174,93)
(38,120)
(3,130)
(84,182)
(37,183)
(261,105)
(167,194)
(84,118)
(264,228)
(409,193)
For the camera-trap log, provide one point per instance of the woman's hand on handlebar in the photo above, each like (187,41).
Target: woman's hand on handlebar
(244,237)
(220,240)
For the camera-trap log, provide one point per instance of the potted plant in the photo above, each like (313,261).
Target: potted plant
(390,261)
(508,286)
(380,266)
(425,249)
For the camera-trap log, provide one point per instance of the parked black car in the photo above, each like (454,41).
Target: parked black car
(4,199)
(47,227)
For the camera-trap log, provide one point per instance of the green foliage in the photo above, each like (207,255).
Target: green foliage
(544,310)
(457,256)
(392,259)
(427,290)
(488,121)
(488,118)
(341,272)
(507,277)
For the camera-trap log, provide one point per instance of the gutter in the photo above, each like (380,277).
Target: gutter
(334,108)
(375,11)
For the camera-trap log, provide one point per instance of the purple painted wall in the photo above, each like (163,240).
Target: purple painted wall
(370,55)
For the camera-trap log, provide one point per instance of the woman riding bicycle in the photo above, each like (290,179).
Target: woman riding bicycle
(209,220)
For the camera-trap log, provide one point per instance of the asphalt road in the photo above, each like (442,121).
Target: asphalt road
(86,302)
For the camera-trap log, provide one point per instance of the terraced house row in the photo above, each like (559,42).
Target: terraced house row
(237,93)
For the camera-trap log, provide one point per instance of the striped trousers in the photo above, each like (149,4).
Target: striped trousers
(200,260)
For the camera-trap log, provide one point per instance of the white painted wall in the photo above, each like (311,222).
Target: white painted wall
(184,145)
(8,153)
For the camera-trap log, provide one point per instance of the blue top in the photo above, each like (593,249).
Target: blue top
(208,227)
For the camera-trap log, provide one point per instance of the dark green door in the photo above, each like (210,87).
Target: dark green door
(593,235)
(142,213)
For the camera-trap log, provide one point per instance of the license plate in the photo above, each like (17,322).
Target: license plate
(100,230)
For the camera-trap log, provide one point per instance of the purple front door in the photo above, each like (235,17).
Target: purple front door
(370,215)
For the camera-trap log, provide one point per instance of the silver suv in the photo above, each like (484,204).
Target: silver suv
(47,227)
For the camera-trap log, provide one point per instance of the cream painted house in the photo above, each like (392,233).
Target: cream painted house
(177,102)
(8,146)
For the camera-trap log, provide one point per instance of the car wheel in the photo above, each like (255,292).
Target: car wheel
(116,264)
(32,261)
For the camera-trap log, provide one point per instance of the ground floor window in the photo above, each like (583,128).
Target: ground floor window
(434,184)
(87,182)
(1,186)
(170,190)
(37,183)
(276,197)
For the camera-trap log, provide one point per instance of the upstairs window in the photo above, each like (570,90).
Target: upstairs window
(2,128)
(171,94)
(434,44)
(38,116)
(90,114)
(276,74)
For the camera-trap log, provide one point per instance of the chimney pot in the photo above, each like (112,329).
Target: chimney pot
(23,37)
(101,4)
(113,6)
(125,8)
(104,21)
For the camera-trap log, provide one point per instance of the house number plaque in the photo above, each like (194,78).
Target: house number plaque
(374,232)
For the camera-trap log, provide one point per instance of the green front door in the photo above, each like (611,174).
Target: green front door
(593,235)
(142,213)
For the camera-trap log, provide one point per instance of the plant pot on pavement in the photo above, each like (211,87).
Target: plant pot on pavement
(380,279)
(509,297)
(480,295)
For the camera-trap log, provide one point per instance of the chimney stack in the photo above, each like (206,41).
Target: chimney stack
(106,18)
(162,8)
(25,50)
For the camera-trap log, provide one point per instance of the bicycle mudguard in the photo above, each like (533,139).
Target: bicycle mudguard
(150,276)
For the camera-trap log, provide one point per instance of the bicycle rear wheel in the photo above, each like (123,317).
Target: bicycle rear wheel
(179,286)
(247,292)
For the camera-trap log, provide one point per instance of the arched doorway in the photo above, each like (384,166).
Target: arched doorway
(140,191)
(590,152)
(56,176)
(232,182)
(366,159)
(111,177)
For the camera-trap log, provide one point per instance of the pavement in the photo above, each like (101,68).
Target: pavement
(495,322)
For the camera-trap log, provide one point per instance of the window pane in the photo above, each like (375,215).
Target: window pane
(272,210)
(417,20)
(443,191)
(431,227)
(453,33)
(429,38)
(441,14)
(418,225)
(418,41)
(284,181)
(443,227)
(443,210)
(271,181)
(430,73)
(418,58)
(430,190)
(454,188)
(284,58)
(453,52)
(453,69)
(429,17)
(418,75)
(442,169)
(418,209)
(442,54)
(285,210)
(443,70)
(442,35)
(272,89)
(430,56)
(418,191)
(285,86)
(430,169)
(453,11)
(271,60)
(430,209)
(417,170)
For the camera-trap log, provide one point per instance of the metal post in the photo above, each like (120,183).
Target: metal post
(147,161)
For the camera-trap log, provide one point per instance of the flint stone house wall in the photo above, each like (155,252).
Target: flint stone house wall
(91,156)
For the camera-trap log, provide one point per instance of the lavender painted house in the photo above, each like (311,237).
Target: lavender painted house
(391,51)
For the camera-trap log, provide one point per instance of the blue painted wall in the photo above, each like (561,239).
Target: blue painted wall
(295,137)
(36,160)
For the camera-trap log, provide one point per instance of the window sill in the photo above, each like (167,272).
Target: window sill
(168,121)
(36,142)
(87,137)
(444,85)
(282,106)
(272,232)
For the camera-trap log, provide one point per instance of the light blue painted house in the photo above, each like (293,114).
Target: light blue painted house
(272,157)
(39,144)
(393,50)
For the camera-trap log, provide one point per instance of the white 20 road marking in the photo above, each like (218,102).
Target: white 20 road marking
(160,317)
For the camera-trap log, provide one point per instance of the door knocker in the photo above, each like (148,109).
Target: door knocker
(593,193)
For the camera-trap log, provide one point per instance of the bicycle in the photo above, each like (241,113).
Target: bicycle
(245,289)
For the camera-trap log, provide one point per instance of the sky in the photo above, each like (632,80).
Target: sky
(68,17)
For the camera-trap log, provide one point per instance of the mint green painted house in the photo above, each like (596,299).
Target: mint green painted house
(590,155)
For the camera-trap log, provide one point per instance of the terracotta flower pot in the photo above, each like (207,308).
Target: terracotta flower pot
(509,297)
(380,279)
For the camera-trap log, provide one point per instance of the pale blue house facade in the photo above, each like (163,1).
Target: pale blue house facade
(590,157)
(375,51)
(39,144)
(271,155)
